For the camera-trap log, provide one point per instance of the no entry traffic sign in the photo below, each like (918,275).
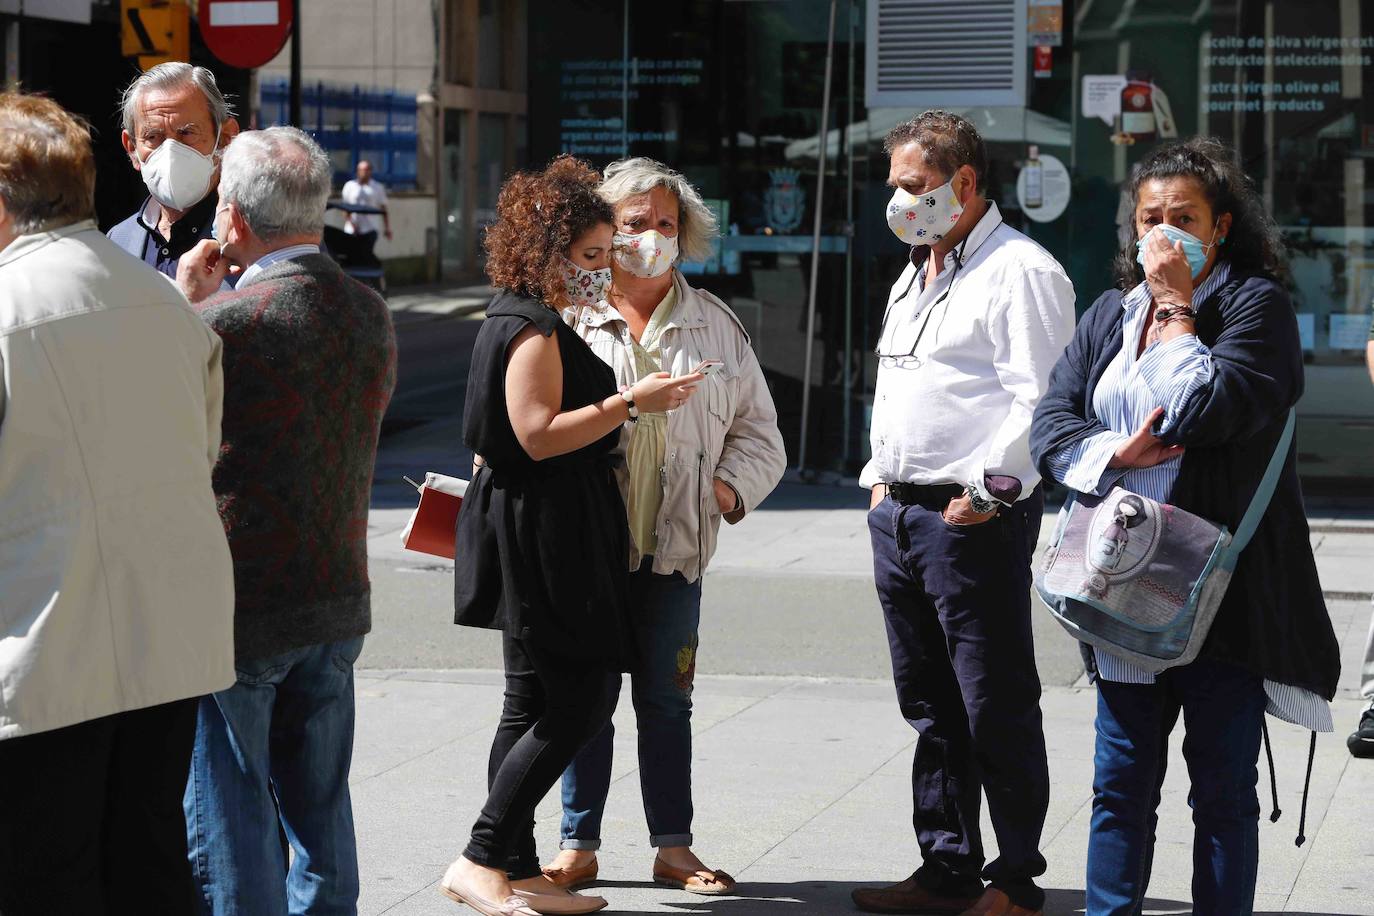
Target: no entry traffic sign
(245,33)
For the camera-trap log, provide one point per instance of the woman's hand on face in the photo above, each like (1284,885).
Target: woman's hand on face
(1167,270)
(662,392)
(1143,449)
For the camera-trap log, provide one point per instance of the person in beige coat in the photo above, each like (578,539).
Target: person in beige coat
(116,591)
(718,456)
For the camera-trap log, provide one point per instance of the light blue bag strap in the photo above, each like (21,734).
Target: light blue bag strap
(1246,529)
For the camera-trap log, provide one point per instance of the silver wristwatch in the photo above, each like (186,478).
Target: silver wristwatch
(980,504)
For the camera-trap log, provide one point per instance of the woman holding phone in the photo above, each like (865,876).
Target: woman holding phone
(545,415)
(715,457)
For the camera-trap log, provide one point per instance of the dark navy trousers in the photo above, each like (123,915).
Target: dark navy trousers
(956,600)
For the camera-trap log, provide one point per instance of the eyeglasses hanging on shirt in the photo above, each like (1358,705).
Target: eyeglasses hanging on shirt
(910,360)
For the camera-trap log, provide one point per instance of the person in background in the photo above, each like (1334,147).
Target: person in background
(973,326)
(717,457)
(1361,741)
(116,590)
(541,540)
(365,191)
(310,364)
(176,124)
(1177,386)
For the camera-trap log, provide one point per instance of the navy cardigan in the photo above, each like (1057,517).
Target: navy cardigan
(1273,620)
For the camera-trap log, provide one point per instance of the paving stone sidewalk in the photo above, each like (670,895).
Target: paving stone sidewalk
(802,783)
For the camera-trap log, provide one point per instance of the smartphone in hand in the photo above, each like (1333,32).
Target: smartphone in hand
(708,366)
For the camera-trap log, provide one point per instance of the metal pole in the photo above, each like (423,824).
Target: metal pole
(295,63)
(849,238)
(816,241)
(625,84)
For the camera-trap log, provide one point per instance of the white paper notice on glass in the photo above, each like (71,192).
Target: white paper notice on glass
(1102,96)
(1349,332)
(1307,329)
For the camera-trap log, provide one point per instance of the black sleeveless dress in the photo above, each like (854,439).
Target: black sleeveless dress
(541,545)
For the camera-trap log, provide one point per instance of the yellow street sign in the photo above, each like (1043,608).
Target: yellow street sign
(155,31)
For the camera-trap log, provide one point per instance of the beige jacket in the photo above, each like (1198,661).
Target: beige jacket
(116,590)
(729,428)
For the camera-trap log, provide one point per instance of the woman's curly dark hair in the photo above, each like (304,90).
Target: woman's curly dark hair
(1253,243)
(538,217)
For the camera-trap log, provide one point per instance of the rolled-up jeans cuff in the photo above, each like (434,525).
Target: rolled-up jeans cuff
(589,845)
(671,839)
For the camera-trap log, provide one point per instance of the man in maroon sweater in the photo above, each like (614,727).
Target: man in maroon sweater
(309,366)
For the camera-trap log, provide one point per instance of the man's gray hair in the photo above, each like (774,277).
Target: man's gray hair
(174,75)
(696,227)
(279,179)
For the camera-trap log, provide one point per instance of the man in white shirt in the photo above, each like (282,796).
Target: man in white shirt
(364,191)
(973,326)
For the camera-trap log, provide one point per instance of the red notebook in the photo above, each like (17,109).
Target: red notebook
(431,527)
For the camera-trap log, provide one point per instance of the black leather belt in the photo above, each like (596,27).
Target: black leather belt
(935,495)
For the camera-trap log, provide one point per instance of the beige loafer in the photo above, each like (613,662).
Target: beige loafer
(454,889)
(562,903)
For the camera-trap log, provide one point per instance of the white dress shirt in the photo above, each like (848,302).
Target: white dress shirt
(372,194)
(971,355)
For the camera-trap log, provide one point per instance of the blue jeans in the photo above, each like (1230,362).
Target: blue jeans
(665,612)
(1223,712)
(271,761)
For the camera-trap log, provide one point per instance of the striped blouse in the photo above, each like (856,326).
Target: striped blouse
(1165,375)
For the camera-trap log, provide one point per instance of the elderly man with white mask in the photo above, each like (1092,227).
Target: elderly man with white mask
(176,124)
(718,456)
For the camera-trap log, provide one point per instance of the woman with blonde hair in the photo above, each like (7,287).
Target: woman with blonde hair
(545,415)
(715,457)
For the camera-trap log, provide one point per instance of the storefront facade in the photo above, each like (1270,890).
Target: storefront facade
(731,93)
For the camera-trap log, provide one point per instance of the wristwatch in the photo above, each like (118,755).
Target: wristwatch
(629,398)
(980,504)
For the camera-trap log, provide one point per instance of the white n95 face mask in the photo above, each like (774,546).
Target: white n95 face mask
(585,287)
(924,219)
(178,176)
(647,254)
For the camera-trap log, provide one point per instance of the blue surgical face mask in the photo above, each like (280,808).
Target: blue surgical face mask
(1193,247)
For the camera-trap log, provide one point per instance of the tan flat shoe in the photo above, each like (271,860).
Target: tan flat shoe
(705,881)
(566,903)
(573,878)
(454,889)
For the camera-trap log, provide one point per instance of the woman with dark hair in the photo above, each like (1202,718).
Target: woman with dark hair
(1177,386)
(541,540)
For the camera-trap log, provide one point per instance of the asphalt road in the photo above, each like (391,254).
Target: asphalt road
(784,623)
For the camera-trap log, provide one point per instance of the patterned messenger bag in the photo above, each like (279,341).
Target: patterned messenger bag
(1143,579)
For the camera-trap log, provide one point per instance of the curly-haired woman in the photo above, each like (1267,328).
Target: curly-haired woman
(541,540)
(1177,387)
(717,458)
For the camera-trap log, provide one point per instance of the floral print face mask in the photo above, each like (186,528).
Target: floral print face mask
(924,219)
(585,287)
(648,254)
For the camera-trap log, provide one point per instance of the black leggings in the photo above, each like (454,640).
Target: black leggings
(554,706)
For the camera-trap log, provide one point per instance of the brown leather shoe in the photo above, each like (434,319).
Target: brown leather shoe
(708,882)
(908,897)
(573,878)
(995,903)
